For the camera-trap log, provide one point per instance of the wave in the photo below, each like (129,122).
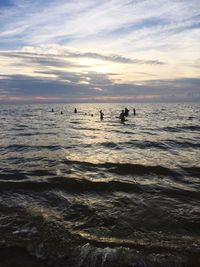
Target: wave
(194,171)
(126,168)
(35,133)
(12,176)
(136,144)
(69,184)
(86,129)
(75,122)
(190,127)
(66,247)
(137,169)
(16,176)
(185,144)
(18,147)
(75,185)
(163,245)
(162,145)
(179,128)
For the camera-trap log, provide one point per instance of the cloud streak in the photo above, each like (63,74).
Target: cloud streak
(85,19)
(59,58)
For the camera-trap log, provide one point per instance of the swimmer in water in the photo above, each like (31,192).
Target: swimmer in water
(101,115)
(126,113)
(122,116)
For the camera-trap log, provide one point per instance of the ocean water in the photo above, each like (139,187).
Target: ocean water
(76,191)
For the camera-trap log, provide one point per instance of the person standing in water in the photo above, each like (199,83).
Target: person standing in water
(134,112)
(75,110)
(126,112)
(122,116)
(101,115)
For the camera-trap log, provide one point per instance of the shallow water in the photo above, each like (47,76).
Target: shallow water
(77,191)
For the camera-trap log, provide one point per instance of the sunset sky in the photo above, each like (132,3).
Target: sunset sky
(99,50)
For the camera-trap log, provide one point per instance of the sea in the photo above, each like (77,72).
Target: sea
(76,191)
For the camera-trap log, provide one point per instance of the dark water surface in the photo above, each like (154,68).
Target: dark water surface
(78,192)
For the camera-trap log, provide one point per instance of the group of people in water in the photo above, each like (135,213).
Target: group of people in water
(124,113)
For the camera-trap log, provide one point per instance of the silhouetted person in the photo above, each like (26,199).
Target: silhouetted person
(122,116)
(61,112)
(134,112)
(126,112)
(52,110)
(101,115)
(75,110)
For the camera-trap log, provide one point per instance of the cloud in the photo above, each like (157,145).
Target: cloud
(21,86)
(60,59)
(104,48)
(100,87)
(115,58)
(63,22)
(37,59)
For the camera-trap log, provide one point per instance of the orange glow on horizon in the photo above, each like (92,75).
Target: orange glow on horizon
(25,98)
(87,98)
(140,97)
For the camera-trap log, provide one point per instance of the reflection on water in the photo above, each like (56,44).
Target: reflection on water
(77,191)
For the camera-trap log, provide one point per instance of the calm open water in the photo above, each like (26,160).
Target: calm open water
(76,191)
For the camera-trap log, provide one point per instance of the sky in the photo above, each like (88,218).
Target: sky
(99,50)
